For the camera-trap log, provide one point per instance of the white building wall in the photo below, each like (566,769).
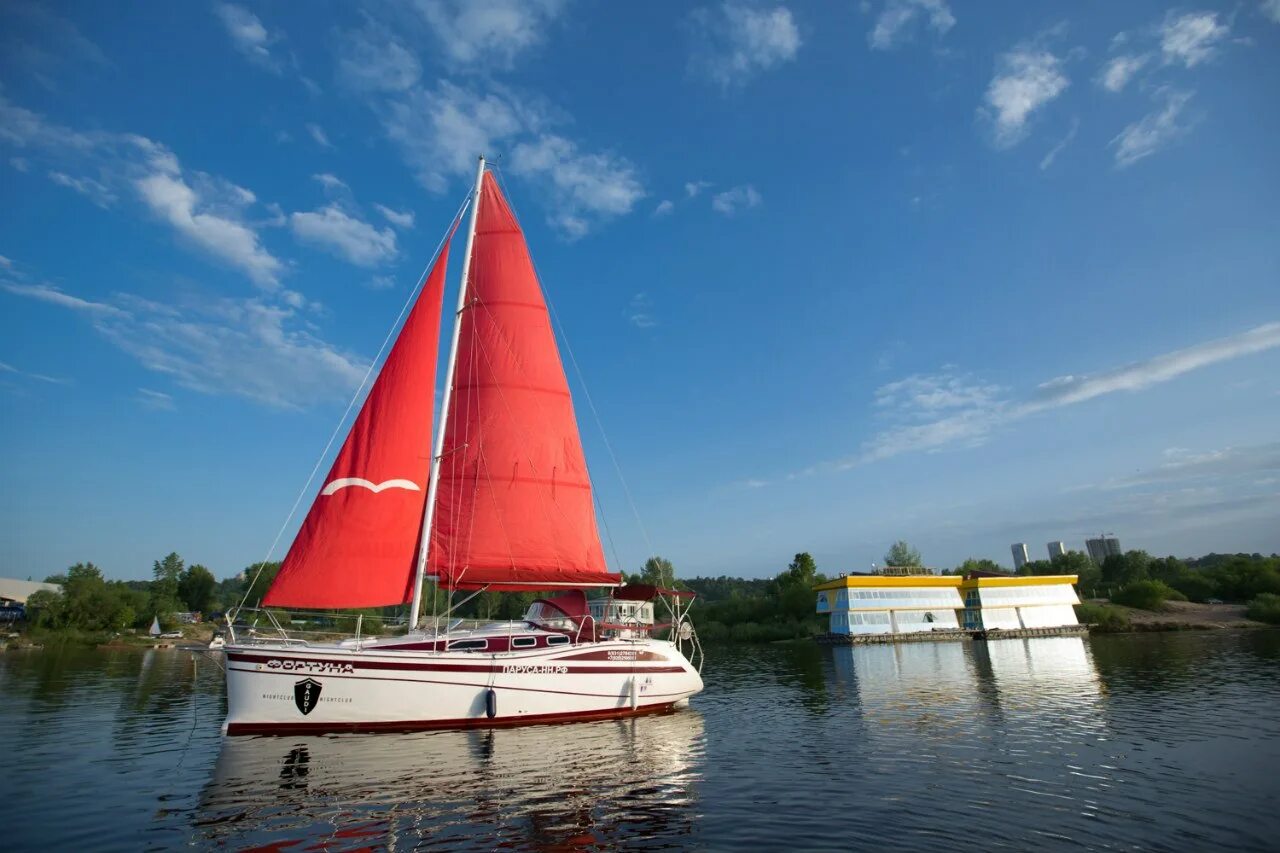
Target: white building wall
(1048,616)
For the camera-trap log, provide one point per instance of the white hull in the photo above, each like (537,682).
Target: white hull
(279,688)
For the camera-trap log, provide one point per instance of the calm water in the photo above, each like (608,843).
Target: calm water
(1157,742)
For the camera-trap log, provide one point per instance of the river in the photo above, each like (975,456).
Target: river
(1134,742)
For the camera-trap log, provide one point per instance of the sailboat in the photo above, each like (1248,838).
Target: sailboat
(501,501)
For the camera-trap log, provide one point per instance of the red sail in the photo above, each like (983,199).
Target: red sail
(358,543)
(514,508)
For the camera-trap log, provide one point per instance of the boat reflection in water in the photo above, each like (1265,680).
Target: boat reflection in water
(580,786)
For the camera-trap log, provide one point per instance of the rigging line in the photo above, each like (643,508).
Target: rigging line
(413,294)
(583,383)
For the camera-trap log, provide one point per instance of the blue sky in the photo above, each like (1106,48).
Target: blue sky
(835,273)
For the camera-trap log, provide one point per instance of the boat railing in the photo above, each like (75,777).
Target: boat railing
(301,628)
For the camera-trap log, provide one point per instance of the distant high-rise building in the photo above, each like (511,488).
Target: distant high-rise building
(1020,557)
(1102,547)
(1057,549)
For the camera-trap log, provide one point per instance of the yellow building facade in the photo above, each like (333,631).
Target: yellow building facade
(903,604)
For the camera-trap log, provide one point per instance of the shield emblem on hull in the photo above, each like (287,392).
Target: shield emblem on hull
(306,693)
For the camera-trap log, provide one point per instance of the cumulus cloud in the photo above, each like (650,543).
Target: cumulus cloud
(896,21)
(1191,38)
(489,32)
(1119,70)
(1271,9)
(208,212)
(693,188)
(441,130)
(588,187)
(345,236)
(936,411)
(1153,131)
(738,41)
(664,208)
(1027,78)
(736,200)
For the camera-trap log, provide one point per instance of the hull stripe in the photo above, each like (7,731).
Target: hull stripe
(623,668)
(680,694)
(464,723)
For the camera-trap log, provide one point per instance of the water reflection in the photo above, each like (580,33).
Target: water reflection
(541,787)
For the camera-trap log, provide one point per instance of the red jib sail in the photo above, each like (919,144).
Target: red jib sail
(514,508)
(358,543)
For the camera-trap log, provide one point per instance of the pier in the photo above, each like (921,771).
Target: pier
(941,636)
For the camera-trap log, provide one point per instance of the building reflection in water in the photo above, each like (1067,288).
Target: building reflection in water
(945,688)
(578,786)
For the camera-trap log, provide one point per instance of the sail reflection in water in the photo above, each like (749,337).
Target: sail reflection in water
(590,784)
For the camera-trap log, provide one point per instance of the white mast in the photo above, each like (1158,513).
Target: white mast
(429,513)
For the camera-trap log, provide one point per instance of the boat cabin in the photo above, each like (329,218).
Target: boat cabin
(622,619)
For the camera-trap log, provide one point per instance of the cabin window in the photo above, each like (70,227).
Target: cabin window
(557,640)
(524,642)
(468,645)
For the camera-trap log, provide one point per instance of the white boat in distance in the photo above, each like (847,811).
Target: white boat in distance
(502,503)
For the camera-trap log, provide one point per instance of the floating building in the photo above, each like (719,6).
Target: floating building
(1056,550)
(923,603)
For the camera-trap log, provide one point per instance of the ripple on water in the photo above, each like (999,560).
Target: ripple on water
(1148,742)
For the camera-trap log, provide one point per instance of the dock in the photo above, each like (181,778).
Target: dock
(943,636)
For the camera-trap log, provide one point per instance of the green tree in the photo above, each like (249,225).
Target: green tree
(902,554)
(257,579)
(196,587)
(658,571)
(1123,569)
(167,574)
(979,565)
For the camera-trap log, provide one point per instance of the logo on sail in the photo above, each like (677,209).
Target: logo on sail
(343,482)
(306,693)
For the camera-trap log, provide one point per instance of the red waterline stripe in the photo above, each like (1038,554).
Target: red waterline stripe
(465,723)
(482,685)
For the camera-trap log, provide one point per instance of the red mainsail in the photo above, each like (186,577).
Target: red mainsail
(357,545)
(514,508)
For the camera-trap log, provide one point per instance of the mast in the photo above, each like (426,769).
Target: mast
(430,510)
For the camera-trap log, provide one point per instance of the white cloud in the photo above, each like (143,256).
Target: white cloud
(93,190)
(1048,158)
(739,41)
(206,210)
(54,296)
(155,400)
(19,163)
(371,59)
(5,262)
(200,221)
(736,200)
(490,32)
(1191,38)
(1027,78)
(242,347)
(399,218)
(896,20)
(640,312)
(664,208)
(588,187)
(39,377)
(442,130)
(317,133)
(248,34)
(1119,70)
(331,182)
(381,282)
(693,188)
(1153,131)
(1270,9)
(948,410)
(345,236)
